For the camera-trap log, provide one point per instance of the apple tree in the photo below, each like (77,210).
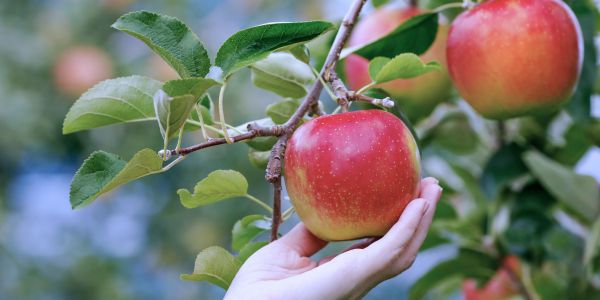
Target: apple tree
(524,223)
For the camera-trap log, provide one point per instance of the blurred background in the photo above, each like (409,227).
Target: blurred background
(136,241)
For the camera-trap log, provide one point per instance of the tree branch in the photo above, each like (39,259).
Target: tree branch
(285,131)
(345,96)
(273,172)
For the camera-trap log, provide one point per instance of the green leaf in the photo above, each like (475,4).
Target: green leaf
(172,112)
(102,172)
(415,35)
(301,53)
(169,38)
(218,186)
(406,65)
(592,243)
(451,126)
(376,64)
(501,169)
(577,143)
(579,193)
(248,228)
(259,159)
(378,3)
(280,112)
(113,101)
(468,263)
(190,86)
(248,250)
(580,105)
(250,45)
(282,74)
(215,265)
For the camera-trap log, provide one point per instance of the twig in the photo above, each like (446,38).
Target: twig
(276,209)
(253,131)
(345,96)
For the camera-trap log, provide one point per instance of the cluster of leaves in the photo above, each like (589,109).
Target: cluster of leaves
(279,62)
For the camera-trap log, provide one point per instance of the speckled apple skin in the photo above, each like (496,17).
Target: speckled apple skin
(510,58)
(351,175)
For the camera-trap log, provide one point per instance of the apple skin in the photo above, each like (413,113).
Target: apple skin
(499,287)
(416,96)
(351,175)
(510,58)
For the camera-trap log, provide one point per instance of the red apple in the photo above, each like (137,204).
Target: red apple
(81,67)
(510,58)
(417,96)
(499,287)
(351,175)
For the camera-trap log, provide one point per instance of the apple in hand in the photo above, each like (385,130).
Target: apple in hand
(499,287)
(510,58)
(416,96)
(351,175)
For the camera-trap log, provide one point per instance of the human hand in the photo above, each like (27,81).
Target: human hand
(284,270)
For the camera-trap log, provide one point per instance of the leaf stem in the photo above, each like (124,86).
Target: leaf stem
(257,201)
(366,87)
(179,138)
(222,114)
(230,127)
(201,118)
(172,164)
(464,4)
(288,213)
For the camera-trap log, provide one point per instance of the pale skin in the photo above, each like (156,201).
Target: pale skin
(284,270)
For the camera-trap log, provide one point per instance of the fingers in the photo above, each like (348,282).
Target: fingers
(395,241)
(301,241)
(397,250)
(425,186)
(431,192)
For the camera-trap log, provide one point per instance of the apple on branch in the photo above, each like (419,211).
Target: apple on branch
(510,58)
(351,175)
(416,96)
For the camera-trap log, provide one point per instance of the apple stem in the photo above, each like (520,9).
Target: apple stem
(500,137)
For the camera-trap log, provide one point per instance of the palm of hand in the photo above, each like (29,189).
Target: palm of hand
(284,269)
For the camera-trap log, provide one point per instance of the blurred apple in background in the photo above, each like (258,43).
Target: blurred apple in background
(80,67)
(417,97)
(500,287)
(117,5)
(161,70)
